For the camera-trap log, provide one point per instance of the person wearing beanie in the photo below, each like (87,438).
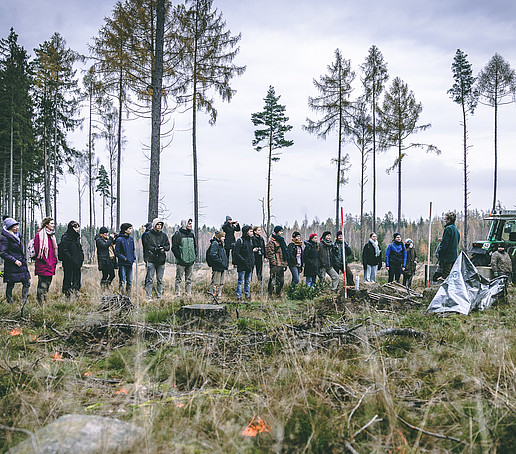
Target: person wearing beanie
(277,254)
(230,227)
(243,258)
(295,257)
(15,261)
(327,260)
(395,258)
(259,244)
(338,248)
(410,267)
(185,252)
(155,246)
(371,258)
(218,262)
(125,255)
(105,244)
(311,260)
(501,263)
(72,257)
(45,248)
(448,247)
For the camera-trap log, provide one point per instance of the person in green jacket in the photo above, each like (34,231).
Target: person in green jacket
(185,252)
(448,249)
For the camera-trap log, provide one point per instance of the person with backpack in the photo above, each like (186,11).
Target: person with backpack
(230,227)
(259,255)
(277,255)
(185,252)
(106,256)
(311,260)
(217,260)
(15,261)
(327,260)
(395,258)
(45,251)
(72,257)
(295,257)
(243,258)
(155,246)
(125,255)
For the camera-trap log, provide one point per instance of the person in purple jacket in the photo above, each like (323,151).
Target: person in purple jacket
(15,262)
(396,258)
(45,247)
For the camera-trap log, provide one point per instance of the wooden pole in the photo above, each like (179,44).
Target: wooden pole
(429,244)
(343,252)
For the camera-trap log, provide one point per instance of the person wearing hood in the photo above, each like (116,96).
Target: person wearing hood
(501,263)
(448,247)
(410,268)
(185,252)
(218,261)
(105,256)
(125,255)
(72,256)
(295,257)
(338,250)
(15,261)
(45,249)
(277,254)
(155,246)
(371,258)
(243,258)
(311,260)
(230,227)
(259,255)
(327,260)
(395,258)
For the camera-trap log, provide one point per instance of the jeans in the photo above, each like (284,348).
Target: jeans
(187,272)
(394,273)
(295,274)
(9,290)
(333,274)
(370,273)
(276,279)
(71,279)
(43,286)
(125,275)
(311,281)
(217,282)
(245,278)
(159,271)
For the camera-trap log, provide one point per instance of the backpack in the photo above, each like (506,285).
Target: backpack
(187,249)
(209,260)
(31,250)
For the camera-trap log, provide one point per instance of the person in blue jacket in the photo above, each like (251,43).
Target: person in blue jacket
(395,258)
(124,252)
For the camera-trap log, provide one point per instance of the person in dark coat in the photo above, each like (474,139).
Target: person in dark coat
(371,258)
(15,261)
(230,227)
(395,258)
(295,257)
(185,252)
(448,248)
(410,268)
(243,258)
(311,260)
(339,259)
(277,255)
(259,255)
(218,261)
(45,248)
(155,246)
(125,254)
(105,256)
(327,260)
(72,256)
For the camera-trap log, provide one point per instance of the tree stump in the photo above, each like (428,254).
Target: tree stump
(204,311)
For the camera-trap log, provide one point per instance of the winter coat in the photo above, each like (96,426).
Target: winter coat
(311,259)
(45,266)
(338,260)
(275,253)
(155,244)
(230,230)
(70,248)
(293,249)
(217,255)
(369,256)
(501,263)
(124,250)
(11,250)
(243,255)
(183,247)
(104,259)
(410,267)
(396,255)
(326,259)
(449,244)
(258,242)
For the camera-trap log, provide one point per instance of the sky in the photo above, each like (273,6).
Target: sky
(288,44)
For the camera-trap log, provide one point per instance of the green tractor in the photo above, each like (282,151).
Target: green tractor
(503,230)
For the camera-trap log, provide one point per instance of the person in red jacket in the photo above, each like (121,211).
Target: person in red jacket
(45,247)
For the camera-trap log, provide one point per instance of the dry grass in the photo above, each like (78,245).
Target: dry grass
(196,387)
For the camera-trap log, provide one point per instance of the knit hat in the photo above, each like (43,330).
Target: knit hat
(339,232)
(125,226)
(228,218)
(103,230)
(296,233)
(396,234)
(327,232)
(9,223)
(312,235)
(277,229)
(408,240)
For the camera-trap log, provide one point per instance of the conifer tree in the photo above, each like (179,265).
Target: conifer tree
(103,188)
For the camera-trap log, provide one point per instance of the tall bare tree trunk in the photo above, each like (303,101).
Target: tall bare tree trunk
(119,145)
(495,179)
(374,161)
(465,137)
(11,166)
(399,187)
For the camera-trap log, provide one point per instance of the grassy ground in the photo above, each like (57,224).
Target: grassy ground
(318,375)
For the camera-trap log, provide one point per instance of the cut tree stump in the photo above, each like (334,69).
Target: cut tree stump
(205,311)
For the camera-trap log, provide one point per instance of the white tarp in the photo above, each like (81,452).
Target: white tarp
(465,289)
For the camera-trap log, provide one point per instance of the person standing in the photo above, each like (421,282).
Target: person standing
(371,258)
(501,263)
(410,268)
(259,255)
(105,256)
(295,257)
(243,258)
(395,258)
(124,252)
(218,261)
(277,254)
(311,260)
(185,252)
(45,248)
(327,260)
(15,261)
(155,246)
(448,248)
(338,250)
(71,255)
(230,227)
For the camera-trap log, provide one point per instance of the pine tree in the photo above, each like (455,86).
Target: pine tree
(272,136)
(103,188)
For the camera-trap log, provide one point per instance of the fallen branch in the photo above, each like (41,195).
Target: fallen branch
(432,434)
(373,420)
(358,405)
(401,332)
(350,448)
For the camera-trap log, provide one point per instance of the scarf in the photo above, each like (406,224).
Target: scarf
(44,235)
(13,235)
(283,245)
(297,241)
(376,247)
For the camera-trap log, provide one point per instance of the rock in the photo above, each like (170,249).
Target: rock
(83,434)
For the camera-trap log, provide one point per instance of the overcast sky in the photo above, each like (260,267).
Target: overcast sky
(287,44)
